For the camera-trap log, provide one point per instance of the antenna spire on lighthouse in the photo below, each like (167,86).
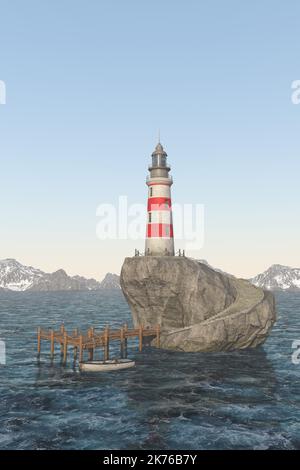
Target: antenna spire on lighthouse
(159,236)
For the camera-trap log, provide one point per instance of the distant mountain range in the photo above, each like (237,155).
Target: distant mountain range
(14,276)
(278,277)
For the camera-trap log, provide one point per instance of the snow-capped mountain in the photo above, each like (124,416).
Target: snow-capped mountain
(278,277)
(14,276)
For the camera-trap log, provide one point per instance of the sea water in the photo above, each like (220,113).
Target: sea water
(239,400)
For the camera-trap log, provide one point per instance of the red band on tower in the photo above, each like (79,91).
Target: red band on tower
(160,230)
(159,204)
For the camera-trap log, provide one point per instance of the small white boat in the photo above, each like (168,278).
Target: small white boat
(106,366)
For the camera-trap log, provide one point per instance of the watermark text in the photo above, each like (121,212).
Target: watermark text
(296,353)
(124,221)
(2,92)
(295,97)
(2,353)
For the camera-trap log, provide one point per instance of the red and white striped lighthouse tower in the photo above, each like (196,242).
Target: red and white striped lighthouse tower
(159,235)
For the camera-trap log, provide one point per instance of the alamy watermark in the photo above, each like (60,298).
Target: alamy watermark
(124,221)
(2,92)
(2,353)
(296,353)
(295,97)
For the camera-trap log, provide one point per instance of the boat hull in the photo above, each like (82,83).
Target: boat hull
(106,366)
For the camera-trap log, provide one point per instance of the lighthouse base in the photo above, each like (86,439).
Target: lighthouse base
(199,309)
(159,247)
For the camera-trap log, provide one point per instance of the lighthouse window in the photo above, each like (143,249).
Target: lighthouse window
(167,231)
(151,192)
(155,160)
(150,217)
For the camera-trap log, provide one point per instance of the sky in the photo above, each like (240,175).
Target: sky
(88,85)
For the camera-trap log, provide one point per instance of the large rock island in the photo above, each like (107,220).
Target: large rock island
(198,308)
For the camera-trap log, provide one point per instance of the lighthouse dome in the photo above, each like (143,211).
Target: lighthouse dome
(159,150)
(159,161)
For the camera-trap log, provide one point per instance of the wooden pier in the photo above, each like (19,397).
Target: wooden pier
(93,339)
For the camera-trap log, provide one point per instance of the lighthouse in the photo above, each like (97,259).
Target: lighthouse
(159,233)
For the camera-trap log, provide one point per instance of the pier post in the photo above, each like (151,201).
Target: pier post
(52,344)
(80,349)
(158,336)
(39,341)
(125,340)
(94,346)
(91,354)
(141,338)
(122,342)
(106,343)
(91,350)
(62,330)
(65,346)
(75,351)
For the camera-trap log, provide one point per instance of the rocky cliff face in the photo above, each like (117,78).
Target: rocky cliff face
(198,308)
(173,291)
